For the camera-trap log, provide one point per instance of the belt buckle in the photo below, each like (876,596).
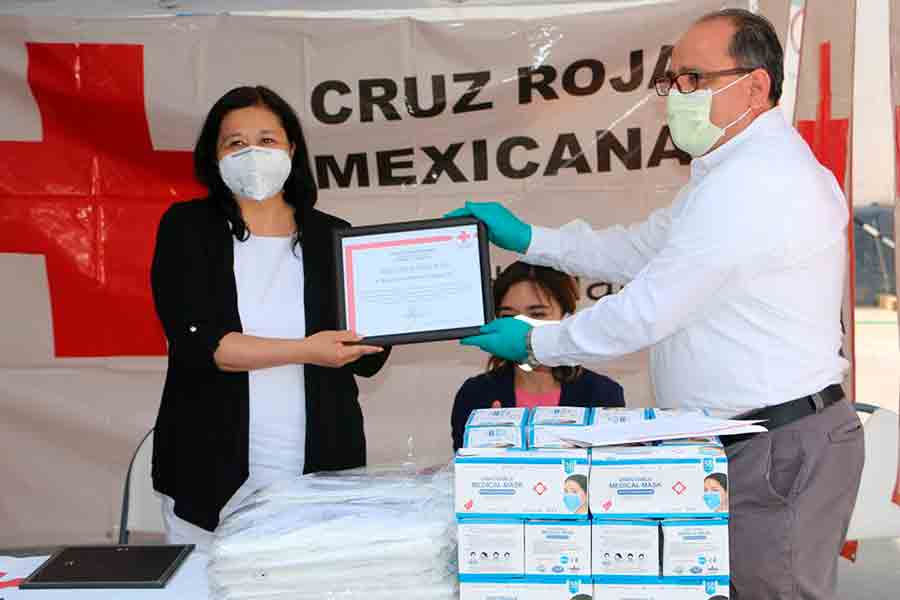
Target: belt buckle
(818,401)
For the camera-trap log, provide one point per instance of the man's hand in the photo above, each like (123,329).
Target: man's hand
(502,337)
(504,228)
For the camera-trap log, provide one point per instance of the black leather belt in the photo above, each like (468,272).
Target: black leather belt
(788,412)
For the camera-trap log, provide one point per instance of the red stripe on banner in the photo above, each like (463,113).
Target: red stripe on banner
(89,195)
(829,139)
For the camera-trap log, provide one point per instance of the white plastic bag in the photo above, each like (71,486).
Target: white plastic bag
(380,533)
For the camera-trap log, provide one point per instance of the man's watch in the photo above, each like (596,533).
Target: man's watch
(530,359)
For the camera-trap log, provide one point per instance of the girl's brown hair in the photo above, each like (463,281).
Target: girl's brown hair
(549,283)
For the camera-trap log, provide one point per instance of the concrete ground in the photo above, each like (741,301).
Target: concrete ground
(876,573)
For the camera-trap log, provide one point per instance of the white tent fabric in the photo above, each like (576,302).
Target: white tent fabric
(83,416)
(380,9)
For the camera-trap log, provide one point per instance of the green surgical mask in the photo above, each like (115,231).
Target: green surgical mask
(688,119)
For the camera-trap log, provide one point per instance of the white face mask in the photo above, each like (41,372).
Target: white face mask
(255,172)
(688,118)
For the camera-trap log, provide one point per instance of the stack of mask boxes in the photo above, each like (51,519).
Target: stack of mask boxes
(659,516)
(524,526)
(538,521)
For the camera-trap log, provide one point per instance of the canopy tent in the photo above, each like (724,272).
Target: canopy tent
(80,371)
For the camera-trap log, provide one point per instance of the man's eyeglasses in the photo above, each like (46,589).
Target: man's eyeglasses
(689,81)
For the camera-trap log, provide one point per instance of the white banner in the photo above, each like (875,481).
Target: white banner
(405,118)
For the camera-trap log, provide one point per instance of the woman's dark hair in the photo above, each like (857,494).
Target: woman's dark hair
(581,480)
(550,283)
(300,188)
(720,478)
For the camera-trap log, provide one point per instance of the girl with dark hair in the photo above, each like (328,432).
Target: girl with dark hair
(259,386)
(539,293)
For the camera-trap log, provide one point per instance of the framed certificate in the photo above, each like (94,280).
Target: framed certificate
(109,566)
(419,281)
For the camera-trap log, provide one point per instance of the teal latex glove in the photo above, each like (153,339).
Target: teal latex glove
(504,228)
(502,337)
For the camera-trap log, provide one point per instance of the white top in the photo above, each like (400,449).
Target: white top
(269,277)
(736,287)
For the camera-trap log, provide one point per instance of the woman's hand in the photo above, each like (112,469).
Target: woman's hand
(240,352)
(334,349)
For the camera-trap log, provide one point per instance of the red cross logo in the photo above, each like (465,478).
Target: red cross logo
(463,236)
(88,196)
(540,488)
(679,488)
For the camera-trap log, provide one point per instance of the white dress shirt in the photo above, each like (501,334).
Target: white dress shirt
(736,287)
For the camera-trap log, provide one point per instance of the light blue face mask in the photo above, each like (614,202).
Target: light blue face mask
(688,118)
(713,500)
(572,501)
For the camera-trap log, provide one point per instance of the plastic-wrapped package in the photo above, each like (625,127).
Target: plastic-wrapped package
(378,533)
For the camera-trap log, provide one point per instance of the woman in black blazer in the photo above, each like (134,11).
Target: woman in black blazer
(540,293)
(258,382)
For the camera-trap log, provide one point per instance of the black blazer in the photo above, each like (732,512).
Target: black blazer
(589,389)
(200,446)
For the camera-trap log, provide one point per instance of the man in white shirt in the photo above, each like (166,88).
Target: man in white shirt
(719,287)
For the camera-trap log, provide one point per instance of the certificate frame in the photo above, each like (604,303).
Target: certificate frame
(107,566)
(415,337)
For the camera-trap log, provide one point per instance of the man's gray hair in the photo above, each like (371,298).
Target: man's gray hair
(754,45)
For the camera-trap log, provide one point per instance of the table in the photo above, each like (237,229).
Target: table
(188,583)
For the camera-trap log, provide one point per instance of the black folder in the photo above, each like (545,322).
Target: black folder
(109,566)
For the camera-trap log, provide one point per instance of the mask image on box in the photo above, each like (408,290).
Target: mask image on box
(695,547)
(662,588)
(492,547)
(522,483)
(715,492)
(659,481)
(625,547)
(558,548)
(529,588)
